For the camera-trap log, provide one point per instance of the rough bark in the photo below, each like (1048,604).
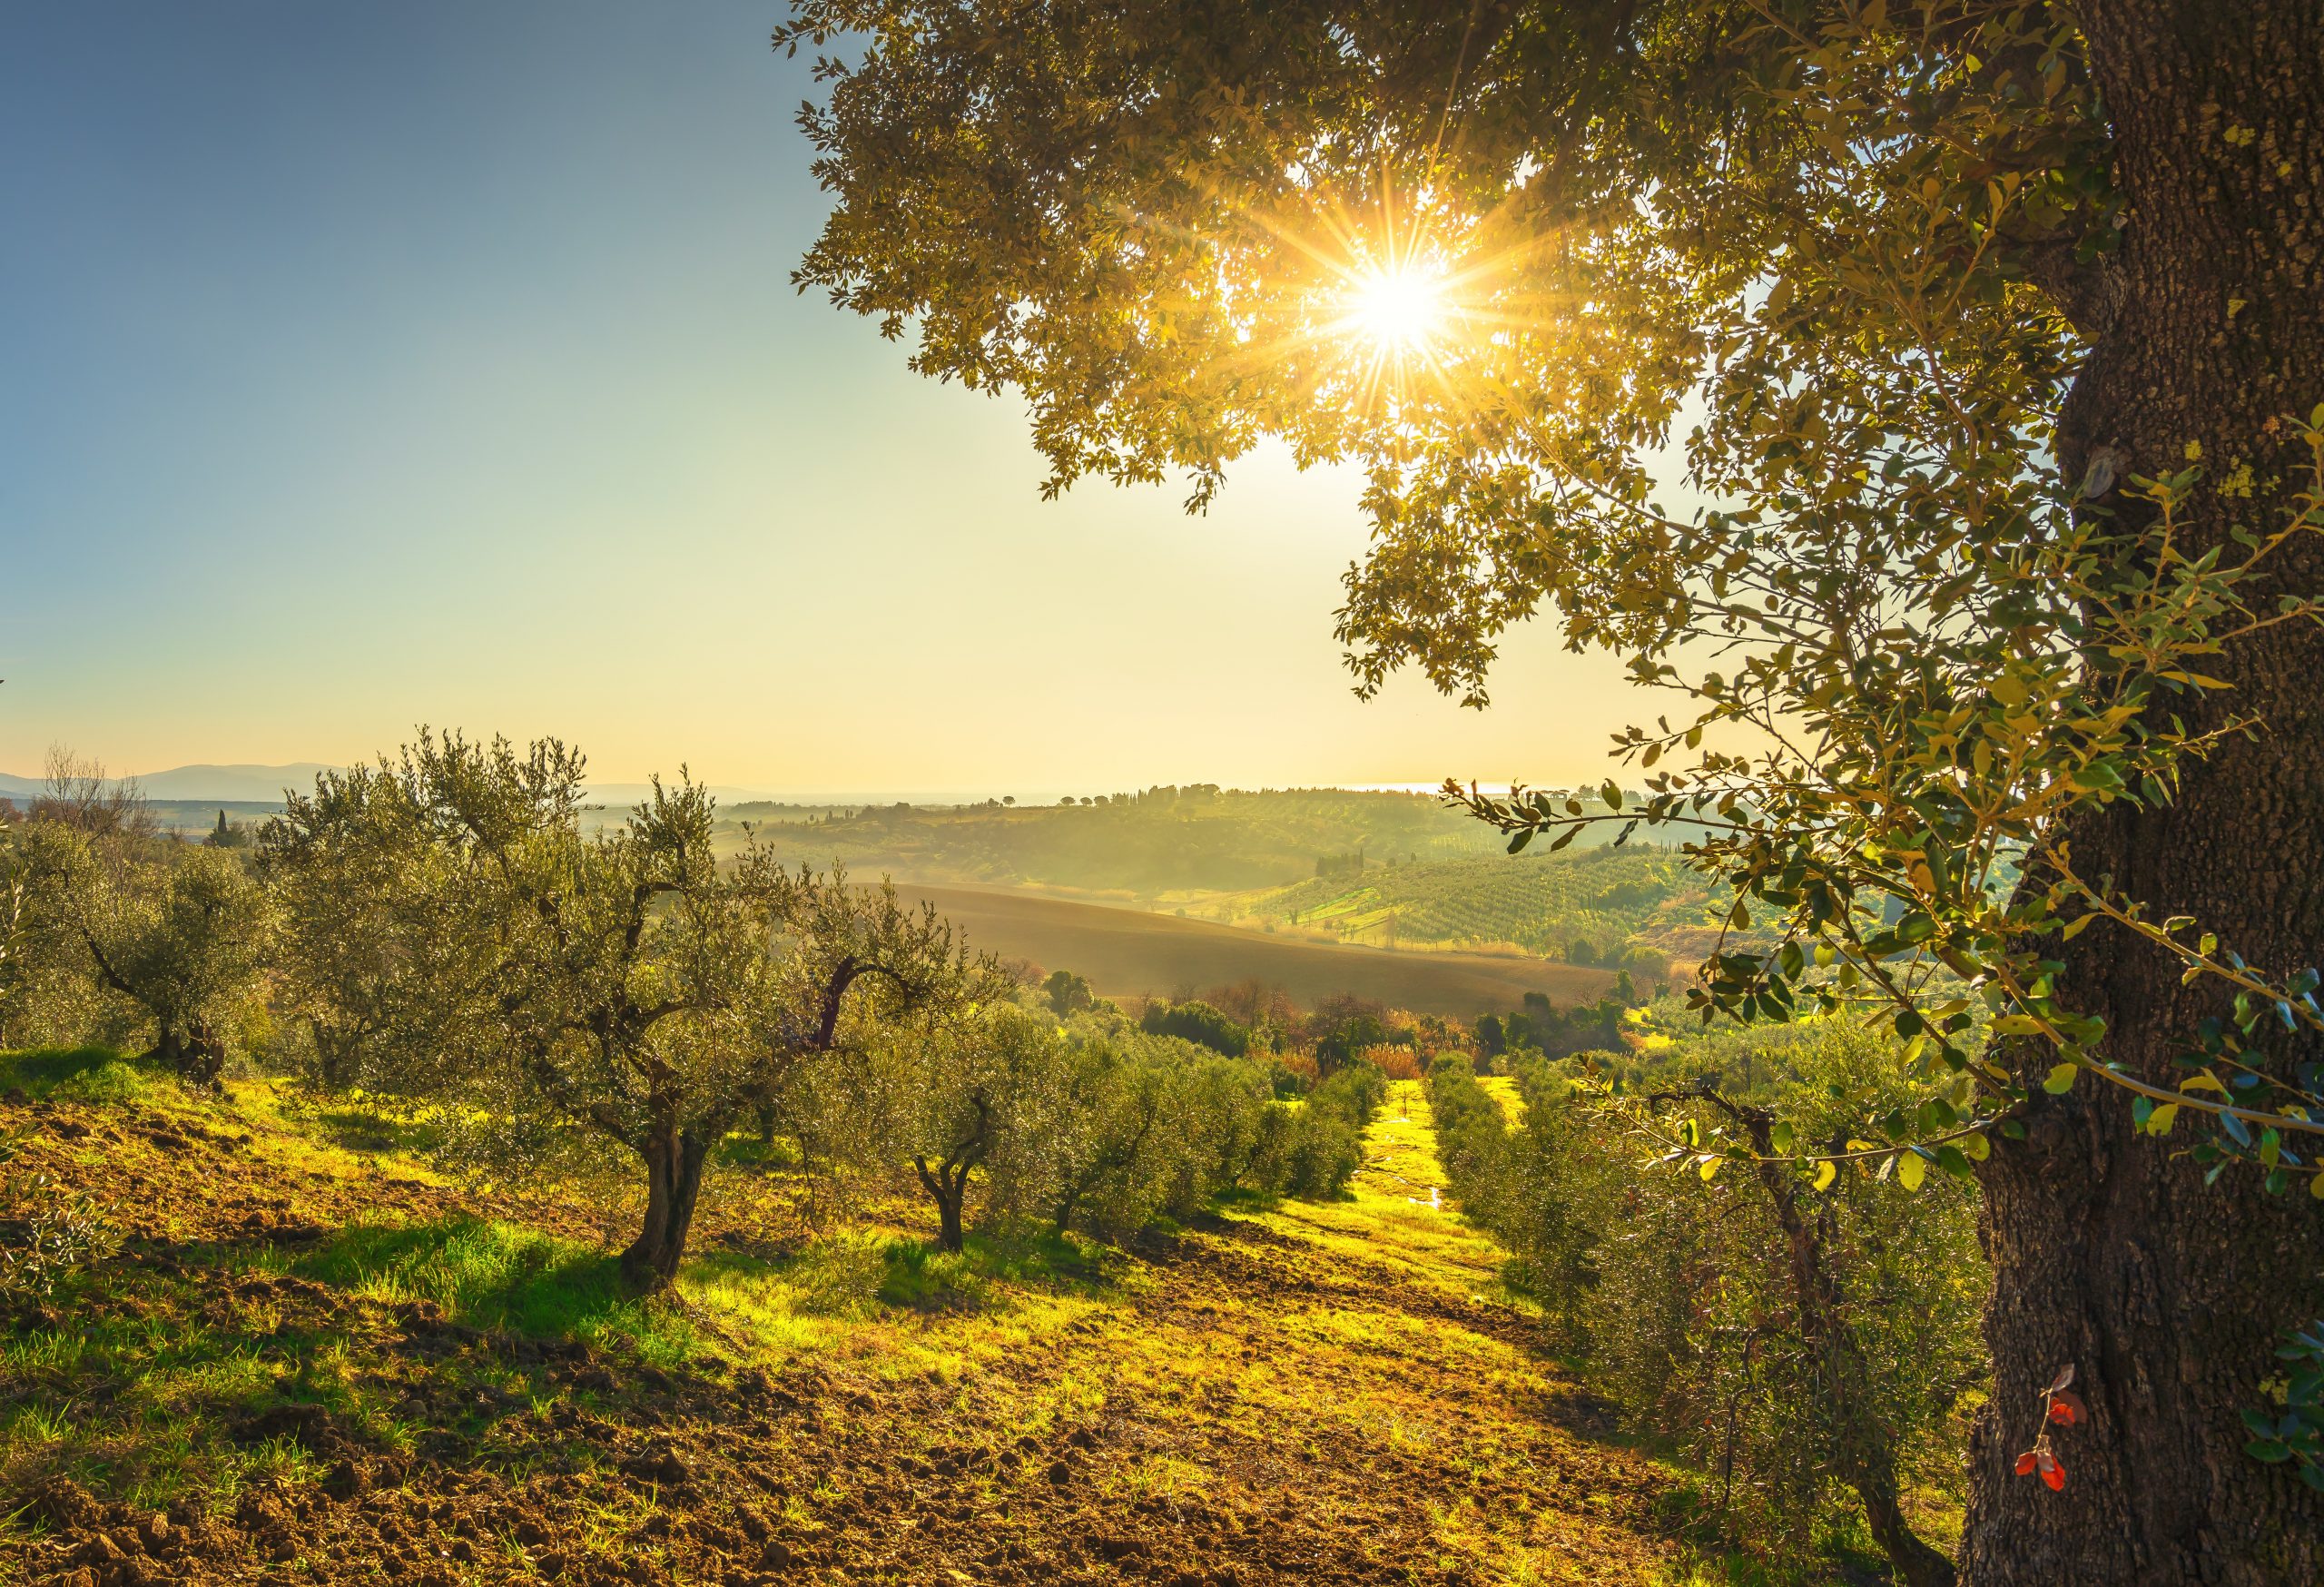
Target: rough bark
(674,1161)
(947,1184)
(197,1055)
(2168,1297)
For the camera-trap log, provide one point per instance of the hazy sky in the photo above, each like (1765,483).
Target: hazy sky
(408,362)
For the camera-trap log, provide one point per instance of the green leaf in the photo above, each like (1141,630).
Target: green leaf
(1911,1169)
(2061,1079)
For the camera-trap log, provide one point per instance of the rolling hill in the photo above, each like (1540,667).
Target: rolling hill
(1128,953)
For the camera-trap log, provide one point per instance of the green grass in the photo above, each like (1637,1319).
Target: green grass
(491,1275)
(85,1074)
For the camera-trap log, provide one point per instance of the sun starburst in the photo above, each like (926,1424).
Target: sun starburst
(1401,310)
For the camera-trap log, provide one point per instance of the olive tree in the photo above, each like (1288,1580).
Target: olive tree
(621,983)
(1984,336)
(961,1089)
(1124,1117)
(358,963)
(176,934)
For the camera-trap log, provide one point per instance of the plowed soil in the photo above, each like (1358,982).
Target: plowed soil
(1304,1395)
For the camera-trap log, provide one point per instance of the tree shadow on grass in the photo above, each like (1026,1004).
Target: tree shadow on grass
(863,1272)
(352,1127)
(83,1074)
(487,1274)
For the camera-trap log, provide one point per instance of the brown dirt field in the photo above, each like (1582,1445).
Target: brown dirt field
(1129,953)
(1313,1394)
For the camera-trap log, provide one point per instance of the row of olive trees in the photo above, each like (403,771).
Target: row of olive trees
(455,936)
(1810,1346)
(1094,1124)
(446,930)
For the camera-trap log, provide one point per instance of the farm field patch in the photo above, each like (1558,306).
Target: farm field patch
(1127,953)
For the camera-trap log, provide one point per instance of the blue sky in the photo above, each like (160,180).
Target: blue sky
(368,366)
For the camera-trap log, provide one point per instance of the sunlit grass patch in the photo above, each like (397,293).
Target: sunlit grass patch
(184,1383)
(492,1274)
(87,1074)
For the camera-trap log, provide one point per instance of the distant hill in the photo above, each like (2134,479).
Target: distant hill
(262,785)
(1128,954)
(1596,905)
(200,783)
(1161,846)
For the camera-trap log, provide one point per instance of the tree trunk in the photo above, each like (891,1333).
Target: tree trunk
(1866,1451)
(674,1160)
(335,1053)
(198,1058)
(949,1185)
(2108,1253)
(949,1234)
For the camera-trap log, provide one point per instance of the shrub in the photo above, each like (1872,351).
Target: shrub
(1067,993)
(1314,1149)
(1395,1063)
(1197,1021)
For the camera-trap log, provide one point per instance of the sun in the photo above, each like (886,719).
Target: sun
(1401,311)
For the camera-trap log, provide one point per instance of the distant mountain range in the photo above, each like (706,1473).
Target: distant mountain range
(234,784)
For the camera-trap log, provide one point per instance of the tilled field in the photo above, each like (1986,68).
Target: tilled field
(1309,1394)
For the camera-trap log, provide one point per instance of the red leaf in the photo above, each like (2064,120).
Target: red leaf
(2025,1463)
(2065,1379)
(2051,1471)
(2066,1408)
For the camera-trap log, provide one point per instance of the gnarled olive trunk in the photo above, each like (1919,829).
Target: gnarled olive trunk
(674,1160)
(197,1054)
(947,1184)
(337,1053)
(2167,1297)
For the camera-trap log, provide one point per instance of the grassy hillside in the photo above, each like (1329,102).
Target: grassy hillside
(1604,900)
(1167,844)
(312,1361)
(1327,866)
(1129,952)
